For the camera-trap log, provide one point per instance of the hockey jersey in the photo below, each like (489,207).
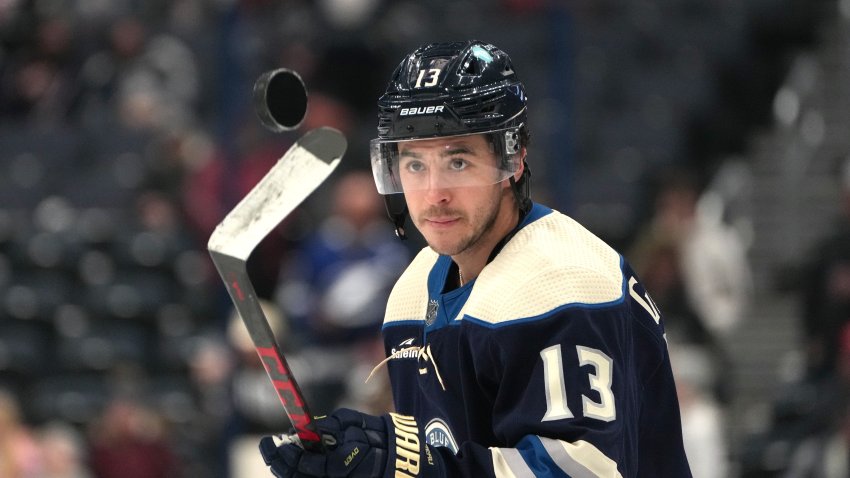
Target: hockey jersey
(552,362)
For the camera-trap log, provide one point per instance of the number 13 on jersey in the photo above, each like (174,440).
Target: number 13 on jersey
(599,379)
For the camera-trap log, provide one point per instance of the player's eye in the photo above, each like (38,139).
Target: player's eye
(414,166)
(458,164)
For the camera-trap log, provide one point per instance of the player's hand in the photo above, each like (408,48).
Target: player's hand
(356,446)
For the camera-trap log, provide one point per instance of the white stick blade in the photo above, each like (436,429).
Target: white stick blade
(304,167)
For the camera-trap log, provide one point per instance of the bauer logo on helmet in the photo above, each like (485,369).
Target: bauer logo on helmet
(422,110)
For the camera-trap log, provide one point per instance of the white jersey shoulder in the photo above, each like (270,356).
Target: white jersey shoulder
(409,297)
(551,263)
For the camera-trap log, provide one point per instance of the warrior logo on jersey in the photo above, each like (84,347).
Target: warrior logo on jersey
(437,433)
(431,314)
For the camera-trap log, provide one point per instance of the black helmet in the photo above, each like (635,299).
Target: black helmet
(445,89)
(449,89)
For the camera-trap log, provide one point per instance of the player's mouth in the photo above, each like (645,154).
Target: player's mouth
(442,222)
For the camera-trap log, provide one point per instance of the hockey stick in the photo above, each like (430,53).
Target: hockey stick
(287,184)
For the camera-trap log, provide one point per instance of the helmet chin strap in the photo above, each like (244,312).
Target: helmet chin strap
(397,211)
(398,222)
(522,192)
(524,206)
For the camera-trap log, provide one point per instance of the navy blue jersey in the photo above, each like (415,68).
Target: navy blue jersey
(552,362)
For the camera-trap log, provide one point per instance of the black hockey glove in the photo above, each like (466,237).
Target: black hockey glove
(357,445)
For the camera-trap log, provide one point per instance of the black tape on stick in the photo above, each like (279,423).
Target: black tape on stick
(280,99)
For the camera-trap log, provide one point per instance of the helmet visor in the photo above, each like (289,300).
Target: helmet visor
(461,161)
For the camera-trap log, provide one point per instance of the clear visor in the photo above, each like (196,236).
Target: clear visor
(480,159)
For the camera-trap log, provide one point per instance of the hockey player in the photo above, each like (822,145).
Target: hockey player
(518,343)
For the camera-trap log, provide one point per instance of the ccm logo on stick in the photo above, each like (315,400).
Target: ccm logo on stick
(422,110)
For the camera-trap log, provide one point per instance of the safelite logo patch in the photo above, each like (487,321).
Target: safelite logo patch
(405,349)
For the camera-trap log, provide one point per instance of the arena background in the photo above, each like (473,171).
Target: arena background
(127,132)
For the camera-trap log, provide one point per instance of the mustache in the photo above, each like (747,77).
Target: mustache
(439,212)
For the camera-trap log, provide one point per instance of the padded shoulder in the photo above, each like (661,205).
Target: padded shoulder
(409,297)
(552,263)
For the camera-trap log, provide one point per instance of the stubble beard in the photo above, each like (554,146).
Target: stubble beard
(485,218)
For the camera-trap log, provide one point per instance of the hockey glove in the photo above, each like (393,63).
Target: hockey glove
(357,445)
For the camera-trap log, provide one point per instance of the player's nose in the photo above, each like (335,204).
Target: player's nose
(436,193)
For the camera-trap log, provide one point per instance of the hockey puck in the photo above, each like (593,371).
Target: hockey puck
(280,99)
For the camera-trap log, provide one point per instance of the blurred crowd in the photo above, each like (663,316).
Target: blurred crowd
(127,132)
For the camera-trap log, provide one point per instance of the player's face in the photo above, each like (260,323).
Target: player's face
(453,209)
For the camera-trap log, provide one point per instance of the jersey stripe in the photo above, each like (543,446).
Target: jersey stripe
(580,459)
(538,459)
(508,463)
(552,458)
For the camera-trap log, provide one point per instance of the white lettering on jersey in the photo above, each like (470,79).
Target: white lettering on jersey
(405,350)
(438,433)
(600,380)
(556,389)
(407,445)
(645,301)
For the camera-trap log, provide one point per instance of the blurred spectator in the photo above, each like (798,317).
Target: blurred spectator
(175,155)
(215,182)
(150,81)
(160,226)
(327,110)
(712,255)
(19,454)
(39,79)
(334,286)
(703,421)
(825,452)
(157,214)
(661,272)
(809,433)
(374,394)
(211,368)
(826,289)
(675,250)
(63,452)
(129,441)
(204,196)
(256,406)
(256,409)
(340,272)
(696,270)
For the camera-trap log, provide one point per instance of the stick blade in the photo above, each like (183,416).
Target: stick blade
(302,169)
